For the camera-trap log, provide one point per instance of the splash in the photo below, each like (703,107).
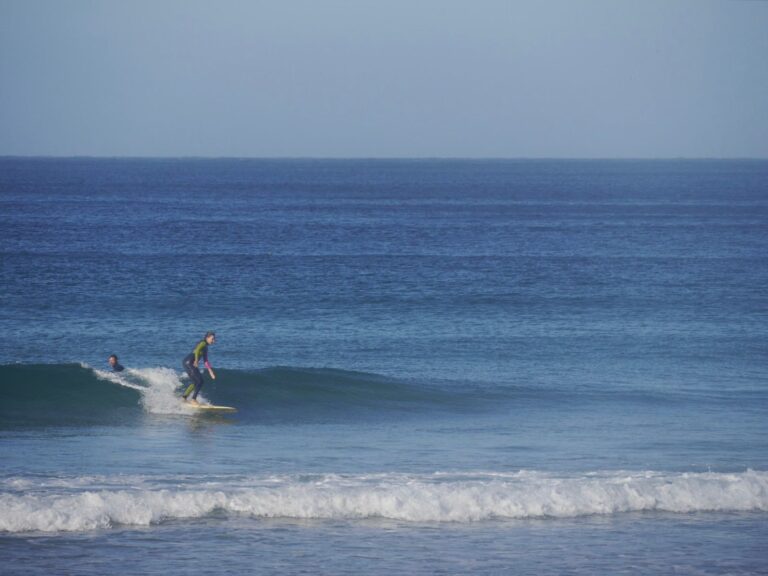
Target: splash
(159,387)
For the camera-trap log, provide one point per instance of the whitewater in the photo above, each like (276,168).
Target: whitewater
(81,504)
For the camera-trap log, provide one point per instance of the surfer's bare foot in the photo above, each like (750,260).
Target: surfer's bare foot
(194,402)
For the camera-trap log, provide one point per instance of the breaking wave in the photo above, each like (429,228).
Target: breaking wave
(63,394)
(89,503)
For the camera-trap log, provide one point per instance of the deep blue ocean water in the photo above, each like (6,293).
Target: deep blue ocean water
(440,366)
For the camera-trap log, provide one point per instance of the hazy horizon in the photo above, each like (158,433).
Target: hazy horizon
(405,158)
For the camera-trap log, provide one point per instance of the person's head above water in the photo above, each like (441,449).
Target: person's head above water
(114,363)
(210,337)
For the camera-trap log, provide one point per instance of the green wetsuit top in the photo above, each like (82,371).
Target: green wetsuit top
(202,350)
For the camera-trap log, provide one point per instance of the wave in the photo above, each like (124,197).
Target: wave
(88,503)
(77,394)
(61,394)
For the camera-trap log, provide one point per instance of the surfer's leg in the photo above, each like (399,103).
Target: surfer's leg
(198,384)
(193,374)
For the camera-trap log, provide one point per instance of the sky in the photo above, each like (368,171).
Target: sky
(394,78)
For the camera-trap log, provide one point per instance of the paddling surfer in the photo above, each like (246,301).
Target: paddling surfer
(116,366)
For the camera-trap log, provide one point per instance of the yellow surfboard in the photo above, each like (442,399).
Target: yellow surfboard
(208,407)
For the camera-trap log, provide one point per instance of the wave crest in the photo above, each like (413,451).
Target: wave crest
(62,394)
(88,504)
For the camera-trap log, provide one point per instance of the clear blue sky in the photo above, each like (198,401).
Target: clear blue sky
(410,78)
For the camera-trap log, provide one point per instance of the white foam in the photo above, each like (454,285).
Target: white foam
(159,387)
(95,503)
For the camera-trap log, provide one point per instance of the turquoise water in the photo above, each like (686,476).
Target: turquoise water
(439,366)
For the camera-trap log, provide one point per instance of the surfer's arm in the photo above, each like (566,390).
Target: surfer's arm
(208,364)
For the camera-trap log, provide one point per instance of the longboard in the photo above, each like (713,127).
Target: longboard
(208,407)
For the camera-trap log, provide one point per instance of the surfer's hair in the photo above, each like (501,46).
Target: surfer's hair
(210,334)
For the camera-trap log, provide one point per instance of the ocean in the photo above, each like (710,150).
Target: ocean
(439,366)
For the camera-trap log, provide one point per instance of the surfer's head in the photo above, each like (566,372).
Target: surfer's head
(112,359)
(210,337)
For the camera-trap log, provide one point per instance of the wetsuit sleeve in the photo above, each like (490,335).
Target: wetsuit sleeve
(201,348)
(205,358)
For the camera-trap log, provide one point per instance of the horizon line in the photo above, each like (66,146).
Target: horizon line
(383,158)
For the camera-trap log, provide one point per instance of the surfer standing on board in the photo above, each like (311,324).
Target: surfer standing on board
(190,365)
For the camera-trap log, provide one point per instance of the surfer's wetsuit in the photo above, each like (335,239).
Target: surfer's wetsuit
(194,373)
